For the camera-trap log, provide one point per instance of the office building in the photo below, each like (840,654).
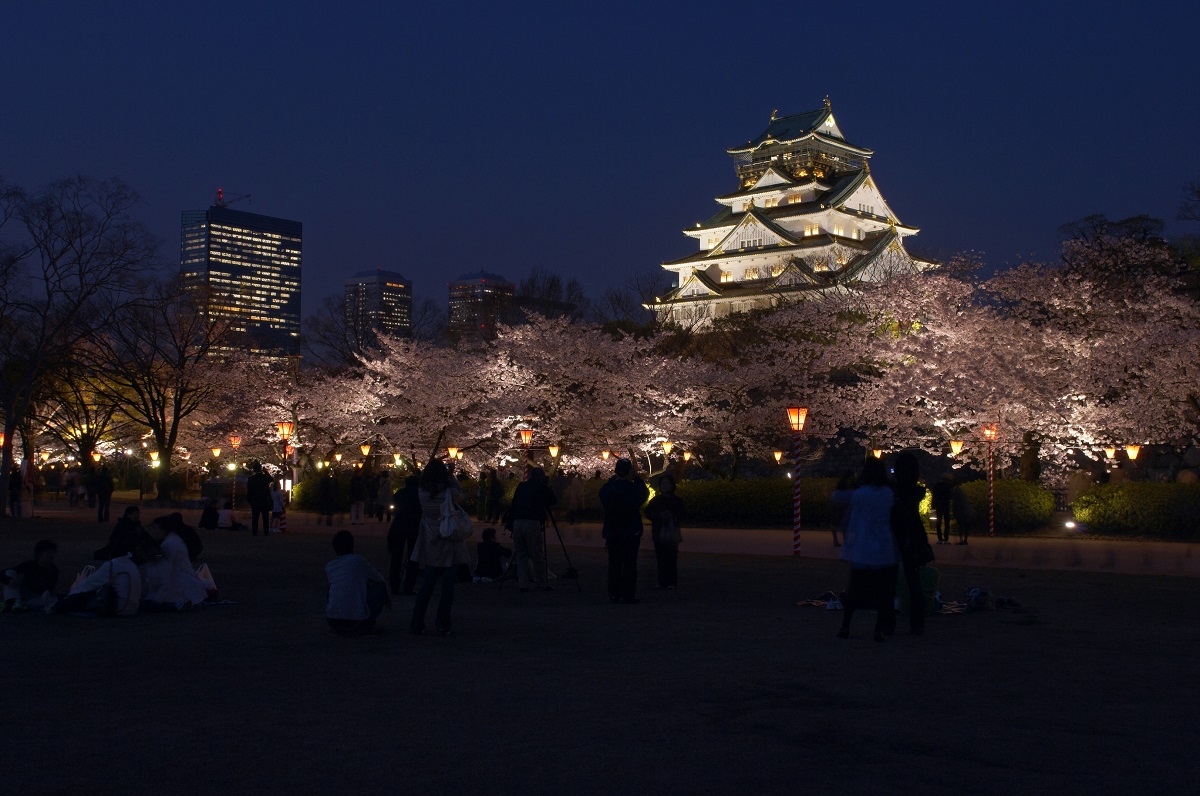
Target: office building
(379,301)
(477,303)
(250,265)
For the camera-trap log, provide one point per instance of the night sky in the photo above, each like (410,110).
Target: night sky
(435,139)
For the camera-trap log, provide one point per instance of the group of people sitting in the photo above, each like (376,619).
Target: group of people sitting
(144,568)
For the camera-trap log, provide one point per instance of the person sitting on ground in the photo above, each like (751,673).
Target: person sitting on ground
(123,537)
(170,581)
(209,516)
(227,521)
(121,579)
(357,592)
(30,584)
(493,558)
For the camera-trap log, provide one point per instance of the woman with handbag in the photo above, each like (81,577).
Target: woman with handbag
(665,512)
(437,555)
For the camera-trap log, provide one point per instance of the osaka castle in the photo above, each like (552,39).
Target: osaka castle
(806,218)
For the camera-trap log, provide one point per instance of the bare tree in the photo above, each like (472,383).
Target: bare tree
(161,363)
(429,321)
(70,265)
(1189,208)
(334,341)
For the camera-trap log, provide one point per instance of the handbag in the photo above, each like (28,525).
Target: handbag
(456,523)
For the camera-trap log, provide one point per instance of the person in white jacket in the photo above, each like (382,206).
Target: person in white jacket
(120,574)
(171,582)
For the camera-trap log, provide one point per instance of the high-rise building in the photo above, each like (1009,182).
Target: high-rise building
(807,217)
(477,303)
(380,301)
(250,265)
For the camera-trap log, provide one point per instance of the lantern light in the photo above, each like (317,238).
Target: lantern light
(337,457)
(459,456)
(526,436)
(667,446)
(216,453)
(989,431)
(956,446)
(320,465)
(553,451)
(453,451)
(234,441)
(687,456)
(46,456)
(153,456)
(365,448)
(877,453)
(398,458)
(285,427)
(1110,453)
(605,454)
(231,467)
(778,456)
(1,437)
(1132,451)
(796,417)
(95,456)
(288,449)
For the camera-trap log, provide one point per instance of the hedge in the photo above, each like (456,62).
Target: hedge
(1020,505)
(756,503)
(1140,508)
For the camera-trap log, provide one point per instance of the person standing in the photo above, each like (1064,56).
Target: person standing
(530,503)
(14,491)
(104,492)
(665,512)
(481,496)
(495,496)
(258,495)
(383,497)
(909,530)
(358,497)
(622,498)
(437,556)
(327,496)
(278,505)
(870,550)
(941,495)
(962,513)
(402,538)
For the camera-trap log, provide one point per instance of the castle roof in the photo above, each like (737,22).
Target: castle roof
(798,126)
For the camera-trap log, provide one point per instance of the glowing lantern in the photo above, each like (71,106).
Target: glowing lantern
(796,417)
(1110,453)
(778,456)
(989,432)
(285,428)
(1132,451)
(398,458)
(153,456)
(216,453)
(526,436)
(877,453)
(605,454)
(956,446)
(337,457)
(667,446)
(687,456)
(95,456)
(234,441)
(553,451)
(453,451)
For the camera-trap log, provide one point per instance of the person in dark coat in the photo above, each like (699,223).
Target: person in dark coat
(622,498)
(491,558)
(14,491)
(909,531)
(941,495)
(665,512)
(530,504)
(402,537)
(258,495)
(358,498)
(495,497)
(208,517)
(327,496)
(124,536)
(31,584)
(104,491)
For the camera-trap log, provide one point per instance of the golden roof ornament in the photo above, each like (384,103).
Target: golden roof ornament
(828,107)
(774,114)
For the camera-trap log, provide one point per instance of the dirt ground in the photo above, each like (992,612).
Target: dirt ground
(724,686)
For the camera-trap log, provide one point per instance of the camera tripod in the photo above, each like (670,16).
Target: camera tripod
(570,573)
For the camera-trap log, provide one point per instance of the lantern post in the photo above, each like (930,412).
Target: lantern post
(989,433)
(796,417)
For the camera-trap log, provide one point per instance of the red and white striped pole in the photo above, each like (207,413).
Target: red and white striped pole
(796,418)
(989,432)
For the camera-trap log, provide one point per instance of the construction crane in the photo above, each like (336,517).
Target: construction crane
(222,201)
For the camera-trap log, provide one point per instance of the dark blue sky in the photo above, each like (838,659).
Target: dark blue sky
(436,139)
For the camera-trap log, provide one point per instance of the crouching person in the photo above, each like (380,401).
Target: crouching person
(357,592)
(114,589)
(30,584)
